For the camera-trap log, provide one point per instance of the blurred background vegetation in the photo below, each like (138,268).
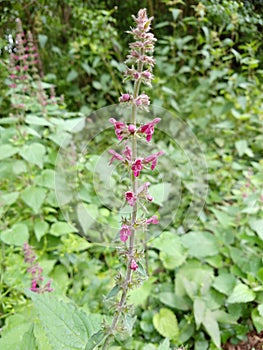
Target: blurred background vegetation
(209,57)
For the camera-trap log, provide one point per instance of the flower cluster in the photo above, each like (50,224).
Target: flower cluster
(140,71)
(36,272)
(24,69)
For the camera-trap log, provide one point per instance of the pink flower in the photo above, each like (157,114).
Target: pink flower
(153,220)
(130,198)
(142,100)
(115,155)
(148,129)
(127,153)
(125,232)
(131,128)
(133,266)
(137,167)
(153,159)
(119,127)
(125,98)
(147,75)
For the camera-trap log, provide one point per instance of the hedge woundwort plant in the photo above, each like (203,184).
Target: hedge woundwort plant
(139,70)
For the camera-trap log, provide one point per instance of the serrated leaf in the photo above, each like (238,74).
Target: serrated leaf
(257,319)
(199,311)
(65,325)
(257,226)
(61,228)
(8,198)
(95,340)
(241,147)
(17,235)
(172,252)
(7,151)
(160,192)
(42,38)
(166,324)
(165,345)
(40,229)
(34,197)
(34,153)
(87,214)
(34,120)
(46,179)
(224,219)
(174,301)
(29,340)
(113,292)
(72,75)
(200,244)
(211,326)
(241,294)
(224,283)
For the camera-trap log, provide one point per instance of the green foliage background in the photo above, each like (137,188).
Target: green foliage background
(205,285)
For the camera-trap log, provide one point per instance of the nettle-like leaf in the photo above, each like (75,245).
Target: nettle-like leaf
(66,326)
(166,324)
(17,235)
(34,197)
(34,154)
(241,294)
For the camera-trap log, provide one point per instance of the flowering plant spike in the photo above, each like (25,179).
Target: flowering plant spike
(139,69)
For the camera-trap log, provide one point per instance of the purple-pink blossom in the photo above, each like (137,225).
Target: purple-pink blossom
(133,266)
(130,198)
(127,152)
(148,129)
(137,167)
(116,156)
(153,220)
(142,100)
(152,159)
(119,127)
(125,98)
(125,232)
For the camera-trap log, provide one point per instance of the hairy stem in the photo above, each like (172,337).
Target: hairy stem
(134,183)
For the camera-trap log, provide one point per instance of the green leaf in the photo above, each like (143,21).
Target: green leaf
(166,324)
(140,295)
(61,228)
(241,147)
(29,340)
(87,214)
(200,244)
(199,311)
(113,292)
(34,154)
(72,75)
(65,325)
(224,283)
(174,301)
(42,38)
(224,219)
(9,198)
(95,340)
(7,151)
(241,294)
(16,235)
(160,192)
(34,197)
(211,326)
(172,252)
(165,345)
(46,179)
(34,120)
(40,229)
(257,320)
(257,226)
